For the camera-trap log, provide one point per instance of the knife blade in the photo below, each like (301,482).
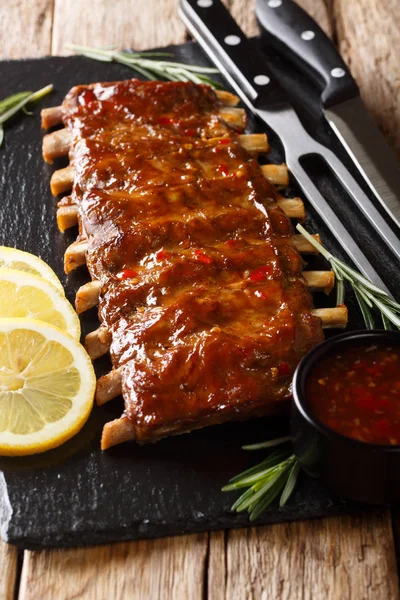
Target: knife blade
(295,34)
(227,46)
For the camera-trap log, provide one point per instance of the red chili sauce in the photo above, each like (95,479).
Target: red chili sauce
(356,392)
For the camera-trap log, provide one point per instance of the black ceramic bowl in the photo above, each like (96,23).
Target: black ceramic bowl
(353,469)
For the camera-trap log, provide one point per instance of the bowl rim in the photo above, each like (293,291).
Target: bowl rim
(303,368)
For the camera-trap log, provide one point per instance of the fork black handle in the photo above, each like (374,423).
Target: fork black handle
(222,36)
(296,35)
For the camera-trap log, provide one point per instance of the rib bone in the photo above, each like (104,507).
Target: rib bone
(75,255)
(97,343)
(109,386)
(303,246)
(227,98)
(67,216)
(332,318)
(62,180)
(276,174)
(254,142)
(319,280)
(87,296)
(56,144)
(235,117)
(51,116)
(116,432)
(292,207)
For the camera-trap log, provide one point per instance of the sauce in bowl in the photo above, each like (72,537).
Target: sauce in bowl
(355,390)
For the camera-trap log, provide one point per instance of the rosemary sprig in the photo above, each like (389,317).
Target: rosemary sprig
(146,64)
(277,474)
(369,295)
(13,104)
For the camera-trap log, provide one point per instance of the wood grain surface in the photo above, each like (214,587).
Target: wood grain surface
(338,558)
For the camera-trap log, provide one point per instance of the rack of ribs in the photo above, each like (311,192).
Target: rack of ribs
(203,302)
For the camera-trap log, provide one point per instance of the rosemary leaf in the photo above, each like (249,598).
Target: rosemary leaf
(366,313)
(11,101)
(256,474)
(369,295)
(146,64)
(386,323)
(290,484)
(267,498)
(365,295)
(261,476)
(277,473)
(314,242)
(340,290)
(360,278)
(247,494)
(273,459)
(385,310)
(13,104)
(268,444)
(261,492)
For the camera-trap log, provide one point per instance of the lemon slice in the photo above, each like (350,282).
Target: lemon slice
(11,258)
(26,295)
(47,385)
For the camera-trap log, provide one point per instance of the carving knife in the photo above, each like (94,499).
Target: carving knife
(227,46)
(297,36)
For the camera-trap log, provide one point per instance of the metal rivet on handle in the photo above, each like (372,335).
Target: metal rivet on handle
(261,79)
(307,35)
(204,3)
(338,72)
(274,3)
(232,40)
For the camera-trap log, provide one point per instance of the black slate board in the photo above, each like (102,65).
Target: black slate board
(76,494)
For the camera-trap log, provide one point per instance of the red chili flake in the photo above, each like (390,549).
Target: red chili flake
(166,121)
(260,273)
(190,132)
(224,141)
(201,257)
(126,274)
(87,97)
(223,169)
(284,369)
(161,254)
(232,243)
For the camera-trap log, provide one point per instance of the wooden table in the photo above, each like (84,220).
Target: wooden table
(337,558)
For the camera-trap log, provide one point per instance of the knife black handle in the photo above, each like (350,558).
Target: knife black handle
(296,35)
(211,22)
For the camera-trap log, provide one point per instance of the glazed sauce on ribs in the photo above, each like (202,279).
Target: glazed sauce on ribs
(202,286)
(356,392)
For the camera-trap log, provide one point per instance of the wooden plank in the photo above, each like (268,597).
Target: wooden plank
(168,569)
(368,36)
(244,13)
(342,557)
(8,570)
(25,28)
(122,23)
